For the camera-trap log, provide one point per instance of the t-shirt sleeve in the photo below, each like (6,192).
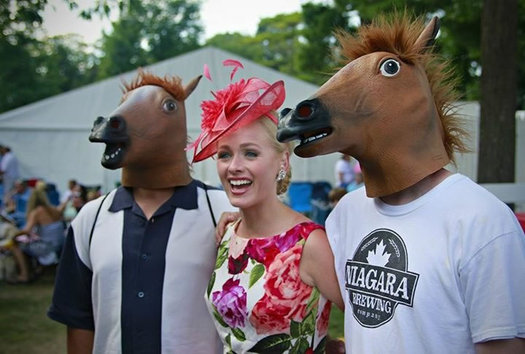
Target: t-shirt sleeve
(493,284)
(71,303)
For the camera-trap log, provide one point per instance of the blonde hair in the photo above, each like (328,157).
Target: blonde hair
(38,198)
(271,129)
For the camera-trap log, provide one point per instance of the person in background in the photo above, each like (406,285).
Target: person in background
(358,181)
(76,198)
(8,170)
(16,204)
(272,261)
(69,191)
(343,171)
(44,233)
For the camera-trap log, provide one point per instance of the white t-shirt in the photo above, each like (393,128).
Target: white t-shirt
(432,276)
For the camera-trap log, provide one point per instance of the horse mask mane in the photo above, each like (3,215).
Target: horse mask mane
(146,134)
(390,107)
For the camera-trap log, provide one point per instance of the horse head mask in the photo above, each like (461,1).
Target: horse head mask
(146,135)
(389,107)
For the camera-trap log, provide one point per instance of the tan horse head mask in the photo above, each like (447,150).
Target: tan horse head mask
(389,107)
(146,135)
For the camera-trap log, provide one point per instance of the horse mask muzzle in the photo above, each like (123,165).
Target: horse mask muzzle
(309,122)
(111,131)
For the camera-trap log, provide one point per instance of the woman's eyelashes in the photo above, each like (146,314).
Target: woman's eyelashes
(248,153)
(251,154)
(222,155)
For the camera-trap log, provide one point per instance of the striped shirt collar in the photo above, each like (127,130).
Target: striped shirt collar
(184,197)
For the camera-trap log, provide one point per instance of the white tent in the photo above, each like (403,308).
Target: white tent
(50,137)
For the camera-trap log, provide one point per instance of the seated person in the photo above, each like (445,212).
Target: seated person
(45,224)
(16,204)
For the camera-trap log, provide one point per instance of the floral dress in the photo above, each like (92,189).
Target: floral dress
(257,298)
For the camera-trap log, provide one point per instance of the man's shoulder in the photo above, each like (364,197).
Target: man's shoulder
(217,197)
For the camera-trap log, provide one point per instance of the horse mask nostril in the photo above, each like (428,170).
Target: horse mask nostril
(304,110)
(115,122)
(284,112)
(98,121)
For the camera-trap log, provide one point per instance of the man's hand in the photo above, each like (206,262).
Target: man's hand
(226,218)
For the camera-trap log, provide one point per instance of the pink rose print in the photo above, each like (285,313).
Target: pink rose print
(285,297)
(231,303)
(322,323)
(263,250)
(286,240)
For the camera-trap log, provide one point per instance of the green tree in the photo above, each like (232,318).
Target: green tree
(246,46)
(315,59)
(150,31)
(18,74)
(33,69)
(279,38)
(122,49)
(274,45)
(172,28)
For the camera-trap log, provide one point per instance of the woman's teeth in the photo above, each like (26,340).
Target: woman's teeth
(237,183)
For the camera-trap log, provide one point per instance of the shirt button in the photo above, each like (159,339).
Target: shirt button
(144,256)
(152,220)
(140,294)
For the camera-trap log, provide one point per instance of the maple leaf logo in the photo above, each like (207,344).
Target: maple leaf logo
(378,256)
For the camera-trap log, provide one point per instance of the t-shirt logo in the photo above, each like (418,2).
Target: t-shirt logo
(377,279)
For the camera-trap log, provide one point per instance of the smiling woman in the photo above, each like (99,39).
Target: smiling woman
(274,279)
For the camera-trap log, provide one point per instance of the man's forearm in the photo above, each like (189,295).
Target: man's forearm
(79,341)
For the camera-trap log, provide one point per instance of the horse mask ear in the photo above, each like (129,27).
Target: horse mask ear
(190,86)
(427,37)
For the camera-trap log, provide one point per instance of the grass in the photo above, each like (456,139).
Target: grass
(336,325)
(25,328)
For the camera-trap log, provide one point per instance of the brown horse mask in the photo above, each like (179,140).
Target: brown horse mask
(146,135)
(380,108)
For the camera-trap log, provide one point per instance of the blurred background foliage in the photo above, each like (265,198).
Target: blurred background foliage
(300,44)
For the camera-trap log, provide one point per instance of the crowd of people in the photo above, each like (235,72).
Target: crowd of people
(34,220)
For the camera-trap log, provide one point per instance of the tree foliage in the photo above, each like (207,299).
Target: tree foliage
(315,58)
(31,68)
(150,31)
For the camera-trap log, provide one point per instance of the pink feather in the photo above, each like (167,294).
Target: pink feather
(207,72)
(235,63)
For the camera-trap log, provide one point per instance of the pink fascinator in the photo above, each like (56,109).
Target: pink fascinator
(238,104)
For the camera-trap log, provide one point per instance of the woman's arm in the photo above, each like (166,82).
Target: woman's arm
(317,267)
(30,223)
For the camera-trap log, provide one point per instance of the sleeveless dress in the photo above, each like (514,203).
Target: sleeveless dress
(51,239)
(257,299)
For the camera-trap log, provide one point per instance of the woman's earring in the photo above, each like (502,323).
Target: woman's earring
(281,175)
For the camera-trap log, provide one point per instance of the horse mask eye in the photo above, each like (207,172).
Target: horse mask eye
(169,106)
(389,67)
